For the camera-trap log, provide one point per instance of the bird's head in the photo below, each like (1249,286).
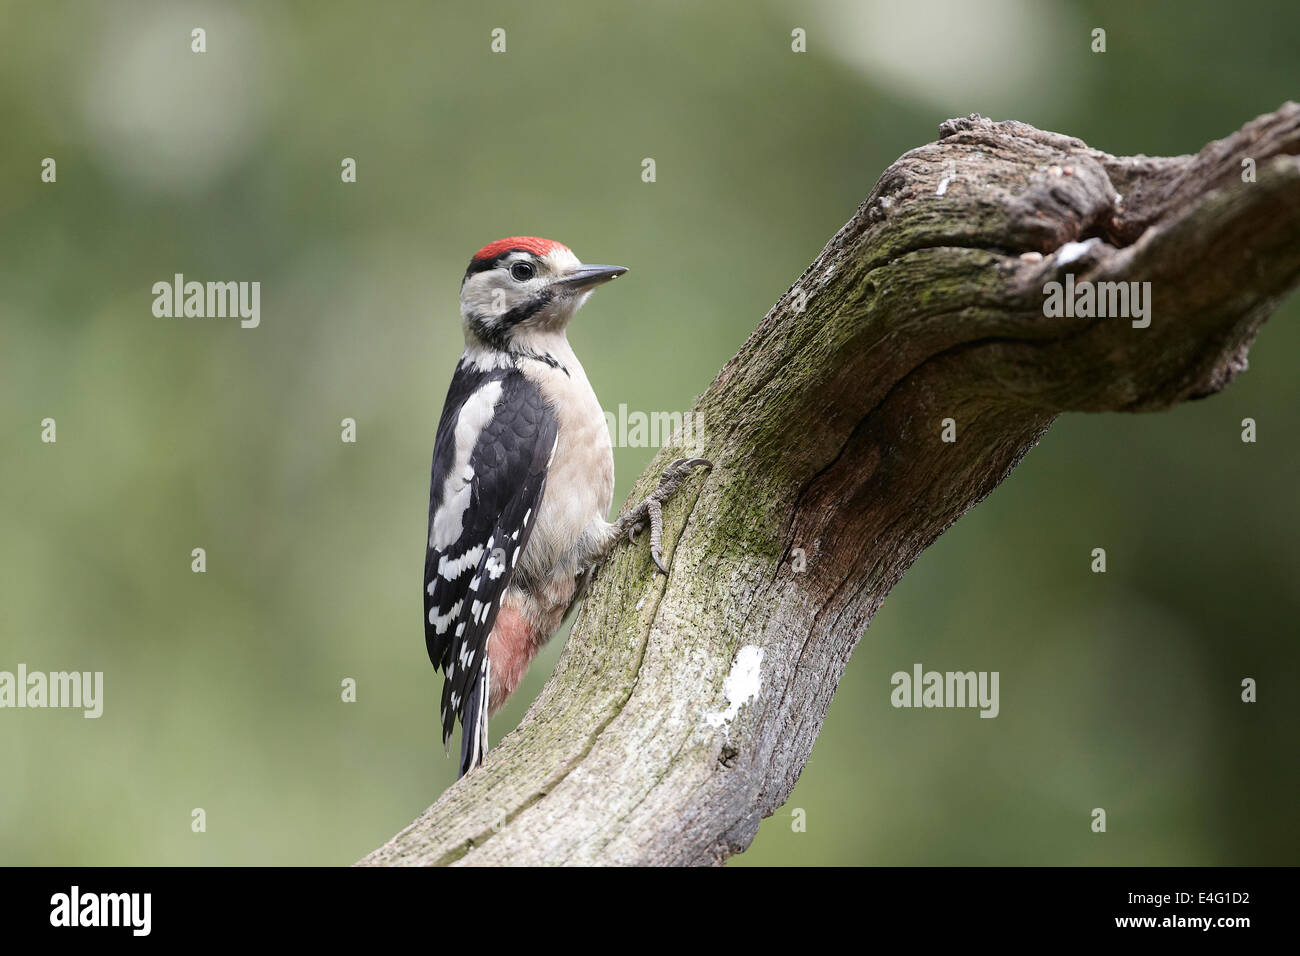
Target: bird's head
(524,288)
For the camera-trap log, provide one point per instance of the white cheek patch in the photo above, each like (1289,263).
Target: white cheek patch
(484,295)
(493,293)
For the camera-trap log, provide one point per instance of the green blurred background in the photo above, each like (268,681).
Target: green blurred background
(222,690)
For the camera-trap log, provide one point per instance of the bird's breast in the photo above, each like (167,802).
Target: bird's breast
(580,479)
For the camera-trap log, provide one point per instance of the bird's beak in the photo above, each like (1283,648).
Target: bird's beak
(586,277)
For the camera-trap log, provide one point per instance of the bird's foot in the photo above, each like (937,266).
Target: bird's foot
(650,511)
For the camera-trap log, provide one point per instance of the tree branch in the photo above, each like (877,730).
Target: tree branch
(825,433)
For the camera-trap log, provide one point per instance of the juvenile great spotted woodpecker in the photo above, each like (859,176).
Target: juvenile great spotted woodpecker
(523,476)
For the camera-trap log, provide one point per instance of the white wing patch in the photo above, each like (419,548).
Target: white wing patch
(452,568)
(475,415)
(441,622)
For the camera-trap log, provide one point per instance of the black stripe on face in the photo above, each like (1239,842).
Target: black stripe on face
(493,330)
(488,332)
(526,310)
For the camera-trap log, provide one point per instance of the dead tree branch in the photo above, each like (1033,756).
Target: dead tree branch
(825,432)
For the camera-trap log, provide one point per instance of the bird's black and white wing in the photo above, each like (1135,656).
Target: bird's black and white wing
(495,441)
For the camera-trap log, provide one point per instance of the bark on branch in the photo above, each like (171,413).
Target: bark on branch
(825,434)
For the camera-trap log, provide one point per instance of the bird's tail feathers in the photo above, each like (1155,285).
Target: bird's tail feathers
(474,726)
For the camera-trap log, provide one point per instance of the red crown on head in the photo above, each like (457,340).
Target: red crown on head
(538,247)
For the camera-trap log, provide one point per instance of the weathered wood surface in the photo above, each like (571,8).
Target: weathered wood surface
(825,433)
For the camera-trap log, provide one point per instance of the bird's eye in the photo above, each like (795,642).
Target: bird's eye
(522,271)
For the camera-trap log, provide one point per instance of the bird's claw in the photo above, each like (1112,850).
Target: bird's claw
(650,511)
(676,472)
(679,468)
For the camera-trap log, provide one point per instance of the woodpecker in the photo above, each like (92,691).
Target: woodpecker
(521,484)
